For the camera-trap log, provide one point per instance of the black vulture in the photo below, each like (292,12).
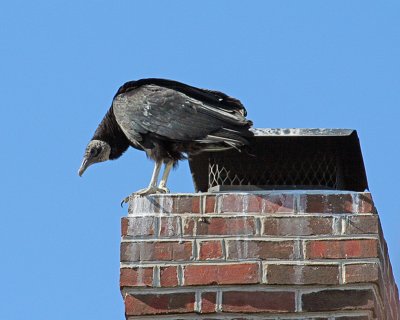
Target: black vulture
(168,120)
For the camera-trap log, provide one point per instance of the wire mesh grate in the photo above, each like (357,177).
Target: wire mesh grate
(278,166)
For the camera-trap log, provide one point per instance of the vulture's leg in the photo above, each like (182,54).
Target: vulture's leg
(163,182)
(152,188)
(154,177)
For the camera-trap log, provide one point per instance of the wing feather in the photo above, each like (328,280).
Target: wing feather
(212,97)
(170,114)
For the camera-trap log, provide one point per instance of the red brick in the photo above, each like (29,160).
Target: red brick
(208,302)
(302,274)
(170,226)
(361,273)
(164,203)
(332,300)
(298,226)
(255,203)
(147,304)
(342,249)
(365,203)
(169,276)
(231,203)
(139,205)
(278,203)
(322,203)
(259,249)
(188,225)
(210,274)
(258,301)
(186,204)
(352,318)
(138,226)
(153,251)
(210,250)
(226,226)
(136,277)
(196,204)
(210,204)
(269,203)
(362,224)
(124,226)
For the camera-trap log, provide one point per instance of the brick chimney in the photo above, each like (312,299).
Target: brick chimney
(269,249)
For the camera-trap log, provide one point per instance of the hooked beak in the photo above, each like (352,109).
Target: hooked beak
(85,164)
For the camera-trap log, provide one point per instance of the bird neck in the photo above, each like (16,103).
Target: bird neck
(109,131)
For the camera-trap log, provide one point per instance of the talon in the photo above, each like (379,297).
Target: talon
(125,200)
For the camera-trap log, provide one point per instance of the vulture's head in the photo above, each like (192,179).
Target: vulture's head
(96,151)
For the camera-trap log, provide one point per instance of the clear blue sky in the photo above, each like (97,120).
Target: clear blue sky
(333,64)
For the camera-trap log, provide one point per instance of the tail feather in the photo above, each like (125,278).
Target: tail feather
(227,138)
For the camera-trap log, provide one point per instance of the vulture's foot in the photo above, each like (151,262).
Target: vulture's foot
(146,192)
(150,190)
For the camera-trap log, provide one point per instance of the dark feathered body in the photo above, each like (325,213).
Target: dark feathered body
(110,132)
(169,119)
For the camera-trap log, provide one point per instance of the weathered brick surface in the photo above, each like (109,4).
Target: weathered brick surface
(210,204)
(260,249)
(169,276)
(231,203)
(278,203)
(298,226)
(269,203)
(209,250)
(258,301)
(255,203)
(136,277)
(352,318)
(302,274)
(336,203)
(156,251)
(209,274)
(189,204)
(151,304)
(330,300)
(138,226)
(208,302)
(318,255)
(320,203)
(250,203)
(361,273)
(362,224)
(220,226)
(342,249)
(265,202)
(170,226)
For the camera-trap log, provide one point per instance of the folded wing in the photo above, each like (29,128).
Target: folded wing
(173,115)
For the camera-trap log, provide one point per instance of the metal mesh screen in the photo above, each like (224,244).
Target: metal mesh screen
(285,159)
(281,165)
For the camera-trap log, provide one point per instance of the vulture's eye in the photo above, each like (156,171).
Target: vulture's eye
(94,152)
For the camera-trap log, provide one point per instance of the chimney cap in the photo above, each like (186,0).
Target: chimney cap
(288,158)
(301,132)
